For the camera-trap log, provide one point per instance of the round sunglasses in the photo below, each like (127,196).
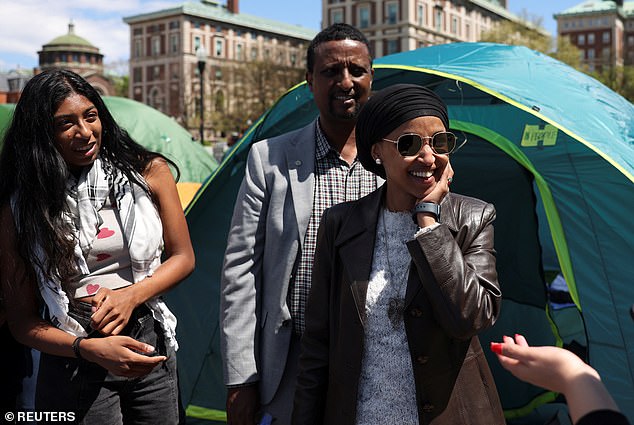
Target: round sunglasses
(410,144)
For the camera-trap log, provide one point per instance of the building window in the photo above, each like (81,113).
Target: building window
(336,16)
(137,75)
(581,39)
(391,13)
(605,54)
(156,99)
(174,43)
(219,104)
(591,38)
(590,53)
(156,73)
(438,20)
(254,53)
(138,48)
(392,47)
(630,40)
(196,25)
(454,25)
(156,45)
(364,17)
(254,36)
(267,54)
(219,47)
(467,30)
(293,59)
(196,42)
(175,25)
(239,51)
(421,14)
(606,37)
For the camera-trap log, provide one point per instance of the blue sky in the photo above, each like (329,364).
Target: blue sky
(28,24)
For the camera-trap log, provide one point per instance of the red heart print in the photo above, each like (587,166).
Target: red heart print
(104,232)
(91,289)
(101,257)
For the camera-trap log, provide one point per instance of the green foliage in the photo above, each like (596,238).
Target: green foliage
(568,53)
(618,78)
(518,34)
(121,84)
(524,33)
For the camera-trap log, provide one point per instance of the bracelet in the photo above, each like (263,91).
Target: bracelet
(426,207)
(76,346)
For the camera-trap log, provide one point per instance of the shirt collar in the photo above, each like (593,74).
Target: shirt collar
(323,148)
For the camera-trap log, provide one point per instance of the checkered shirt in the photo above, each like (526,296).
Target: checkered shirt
(336,181)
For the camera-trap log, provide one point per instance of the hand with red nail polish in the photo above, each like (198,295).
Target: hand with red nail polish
(558,370)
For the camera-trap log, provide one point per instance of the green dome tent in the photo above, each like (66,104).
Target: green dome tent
(552,148)
(156,132)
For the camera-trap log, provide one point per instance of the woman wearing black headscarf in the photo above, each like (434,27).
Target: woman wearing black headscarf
(403,281)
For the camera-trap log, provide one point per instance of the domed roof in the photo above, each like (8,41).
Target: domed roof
(69,39)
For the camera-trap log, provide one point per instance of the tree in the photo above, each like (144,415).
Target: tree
(568,53)
(619,78)
(121,85)
(527,32)
(256,86)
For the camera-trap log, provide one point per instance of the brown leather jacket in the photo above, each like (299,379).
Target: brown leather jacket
(452,294)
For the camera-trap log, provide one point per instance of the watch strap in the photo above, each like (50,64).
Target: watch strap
(426,207)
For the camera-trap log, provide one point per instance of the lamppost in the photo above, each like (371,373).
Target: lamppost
(201,55)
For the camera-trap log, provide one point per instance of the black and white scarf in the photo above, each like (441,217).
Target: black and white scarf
(142,230)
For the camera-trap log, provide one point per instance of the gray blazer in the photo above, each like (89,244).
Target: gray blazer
(269,221)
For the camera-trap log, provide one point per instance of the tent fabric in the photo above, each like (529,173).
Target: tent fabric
(552,148)
(160,133)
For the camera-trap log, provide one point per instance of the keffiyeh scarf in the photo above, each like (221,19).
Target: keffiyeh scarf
(141,227)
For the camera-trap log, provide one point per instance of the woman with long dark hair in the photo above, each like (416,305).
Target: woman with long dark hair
(86,214)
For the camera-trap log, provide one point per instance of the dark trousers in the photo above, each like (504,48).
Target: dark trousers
(99,397)
(13,368)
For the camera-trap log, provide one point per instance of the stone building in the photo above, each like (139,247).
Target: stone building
(250,62)
(401,25)
(12,83)
(602,30)
(70,51)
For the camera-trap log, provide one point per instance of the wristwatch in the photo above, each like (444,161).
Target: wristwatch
(427,207)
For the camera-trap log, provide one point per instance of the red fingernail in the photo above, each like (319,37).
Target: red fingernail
(496,347)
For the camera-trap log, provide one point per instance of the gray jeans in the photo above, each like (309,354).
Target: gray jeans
(99,397)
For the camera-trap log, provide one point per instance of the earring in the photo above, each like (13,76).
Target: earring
(378,161)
